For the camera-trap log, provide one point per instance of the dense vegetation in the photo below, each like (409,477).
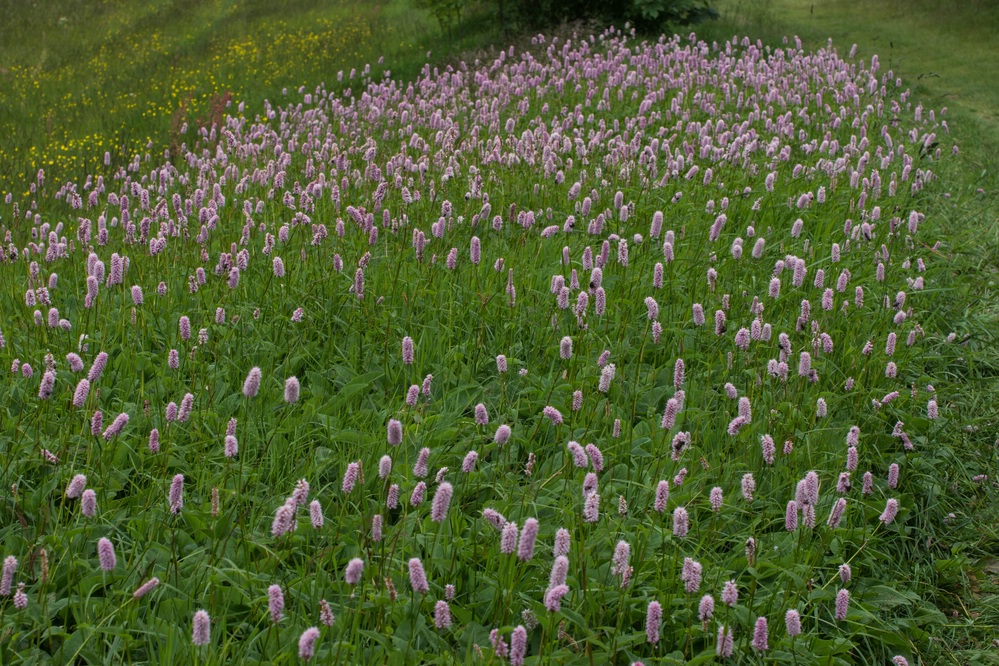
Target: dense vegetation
(588,352)
(593,349)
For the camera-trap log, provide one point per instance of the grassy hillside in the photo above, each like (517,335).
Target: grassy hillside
(78,79)
(593,350)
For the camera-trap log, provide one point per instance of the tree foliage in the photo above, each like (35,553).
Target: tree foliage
(645,15)
(448,13)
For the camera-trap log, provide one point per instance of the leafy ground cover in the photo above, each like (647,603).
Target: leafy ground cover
(601,351)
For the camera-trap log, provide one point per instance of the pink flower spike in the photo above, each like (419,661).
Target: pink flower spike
(691,575)
(893,476)
(442,615)
(681,522)
(76,486)
(116,426)
(560,569)
(384,467)
(394,432)
(528,536)
(442,500)
(760,642)
(481,415)
(97,369)
(591,508)
(842,604)
(653,618)
(7,579)
(325,613)
(706,608)
(291,390)
(351,475)
(420,469)
(890,512)
(730,593)
(352,574)
(502,435)
(508,538)
(146,588)
(316,514)
(252,383)
(725,643)
(578,455)
(88,503)
(231,446)
(417,577)
(81,393)
(792,620)
(307,643)
(662,496)
(552,415)
(176,496)
(518,646)
(562,541)
(201,634)
(275,603)
(105,554)
(554,595)
(468,464)
(596,457)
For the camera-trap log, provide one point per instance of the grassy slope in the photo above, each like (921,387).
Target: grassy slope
(948,53)
(78,79)
(65,89)
(949,49)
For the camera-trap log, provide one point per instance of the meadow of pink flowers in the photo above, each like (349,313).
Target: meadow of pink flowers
(609,351)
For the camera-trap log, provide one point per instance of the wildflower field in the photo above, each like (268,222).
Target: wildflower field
(602,351)
(81,79)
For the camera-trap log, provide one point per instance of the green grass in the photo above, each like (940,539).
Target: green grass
(78,79)
(944,49)
(947,52)
(121,76)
